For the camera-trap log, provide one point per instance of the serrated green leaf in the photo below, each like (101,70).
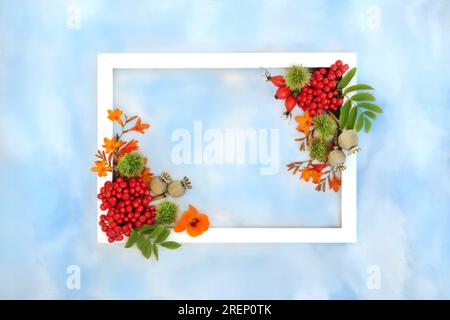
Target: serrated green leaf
(155,251)
(363,96)
(371,107)
(343,116)
(163,236)
(157,231)
(367,126)
(346,78)
(370,114)
(356,87)
(145,247)
(170,245)
(132,239)
(360,123)
(352,118)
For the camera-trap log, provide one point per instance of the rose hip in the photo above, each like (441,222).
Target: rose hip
(282,92)
(277,80)
(290,104)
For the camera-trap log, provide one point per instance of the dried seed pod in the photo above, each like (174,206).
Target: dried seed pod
(159,184)
(336,159)
(348,140)
(178,188)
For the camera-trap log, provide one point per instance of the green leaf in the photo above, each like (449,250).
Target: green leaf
(170,245)
(346,78)
(368,125)
(343,116)
(132,239)
(364,96)
(145,247)
(360,122)
(358,87)
(352,118)
(371,107)
(155,251)
(163,236)
(370,114)
(157,231)
(145,228)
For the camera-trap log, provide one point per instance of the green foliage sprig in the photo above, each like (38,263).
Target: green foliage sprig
(357,111)
(148,239)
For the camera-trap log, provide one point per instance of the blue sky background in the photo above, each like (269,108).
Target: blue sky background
(48,130)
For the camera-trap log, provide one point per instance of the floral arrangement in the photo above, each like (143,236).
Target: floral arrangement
(332,114)
(134,199)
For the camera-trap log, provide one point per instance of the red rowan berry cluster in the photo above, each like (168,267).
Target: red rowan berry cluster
(127,204)
(321,92)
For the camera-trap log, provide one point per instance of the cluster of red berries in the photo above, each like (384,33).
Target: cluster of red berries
(127,203)
(319,94)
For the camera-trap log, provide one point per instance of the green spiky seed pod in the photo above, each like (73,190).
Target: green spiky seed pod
(297,77)
(131,165)
(166,212)
(318,149)
(325,127)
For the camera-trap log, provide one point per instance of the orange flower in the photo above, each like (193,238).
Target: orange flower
(139,126)
(194,222)
(314,172)
(128,147)
(304,122)
(147,175)
(308,174)
(115,115)
(112,145)
(101,168)
(334,183)
(318,166)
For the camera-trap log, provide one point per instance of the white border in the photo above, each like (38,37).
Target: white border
(106,63)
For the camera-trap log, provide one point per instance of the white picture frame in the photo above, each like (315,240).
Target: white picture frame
(346,232)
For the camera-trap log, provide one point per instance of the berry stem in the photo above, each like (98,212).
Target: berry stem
(266,73)
(334,117)
(160,196)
